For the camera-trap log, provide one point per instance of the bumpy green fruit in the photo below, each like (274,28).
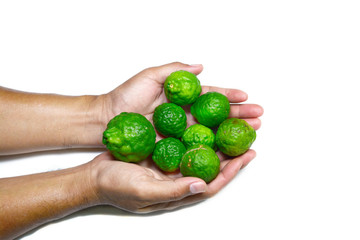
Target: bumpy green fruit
(211,108)
(168,153)
(182,87)
(170,120)
(200,161)
(235,136)
(130,137)
(198,133)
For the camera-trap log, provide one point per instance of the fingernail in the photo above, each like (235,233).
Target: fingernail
(197,187)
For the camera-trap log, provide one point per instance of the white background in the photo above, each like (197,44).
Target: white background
(300,60)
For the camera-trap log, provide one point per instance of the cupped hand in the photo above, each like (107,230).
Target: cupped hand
(140,189)
(144,92)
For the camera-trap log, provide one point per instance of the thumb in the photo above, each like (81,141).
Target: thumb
(173,190)
(163,71)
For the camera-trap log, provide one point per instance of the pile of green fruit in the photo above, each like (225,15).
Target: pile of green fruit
(130,137)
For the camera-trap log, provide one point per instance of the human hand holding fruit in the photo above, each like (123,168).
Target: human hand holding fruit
(143,94)
(140,189)
(145,91)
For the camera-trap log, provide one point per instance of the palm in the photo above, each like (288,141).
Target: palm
(142,94)
(147,187)
(130,171)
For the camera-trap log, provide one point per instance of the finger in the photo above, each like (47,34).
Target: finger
(104,156)
(234,95)
(245,111)
(248,160)
(229,171)
(222,156)
(254,122)
(175,189)
(245,161)
(162,72)
(174,204)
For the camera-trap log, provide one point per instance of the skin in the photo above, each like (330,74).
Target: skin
(35,122)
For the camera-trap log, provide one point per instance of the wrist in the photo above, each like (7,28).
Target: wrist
(89,123)
(94,172)
(78,190)
(88,177)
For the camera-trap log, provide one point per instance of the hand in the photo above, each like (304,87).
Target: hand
(142,189)
(144,92)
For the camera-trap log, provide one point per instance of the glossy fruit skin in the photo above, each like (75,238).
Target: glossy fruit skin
(168,153)
(170,120)
(211,108)
(235,136)
(200,161)
(130,137)
(182,87)
(198,133)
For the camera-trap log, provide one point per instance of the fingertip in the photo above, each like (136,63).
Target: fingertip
(190,186)
(252,153)
(259,110)
(197,187)
(257,124)
(193,68)
(254,122)
(248,157)
(236,95)
(196,65)
(165,70)
(196,68)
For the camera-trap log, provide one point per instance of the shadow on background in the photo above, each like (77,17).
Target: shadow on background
(104,210)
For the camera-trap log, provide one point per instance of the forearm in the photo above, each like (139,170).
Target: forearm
(34,122)
(30,201)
